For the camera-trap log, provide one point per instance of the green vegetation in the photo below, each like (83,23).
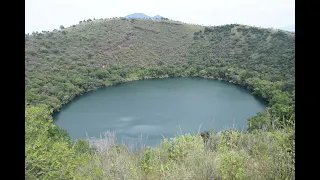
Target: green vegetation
(66,63)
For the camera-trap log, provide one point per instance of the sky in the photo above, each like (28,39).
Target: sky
(46,15)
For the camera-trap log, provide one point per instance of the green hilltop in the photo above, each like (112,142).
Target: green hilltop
(66,63)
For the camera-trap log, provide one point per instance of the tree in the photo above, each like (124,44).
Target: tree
(61,27)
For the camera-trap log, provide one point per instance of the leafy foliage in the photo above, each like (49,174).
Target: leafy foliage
(48,155)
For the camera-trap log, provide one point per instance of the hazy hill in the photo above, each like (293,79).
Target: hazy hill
(288,28)
(141,15)
(157,17)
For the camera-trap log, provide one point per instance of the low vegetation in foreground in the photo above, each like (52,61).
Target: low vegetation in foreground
(66,63)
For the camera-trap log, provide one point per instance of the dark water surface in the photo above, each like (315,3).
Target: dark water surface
(157,107)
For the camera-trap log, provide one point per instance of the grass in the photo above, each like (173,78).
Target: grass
(229,154)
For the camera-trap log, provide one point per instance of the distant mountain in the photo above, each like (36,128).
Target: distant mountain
(141,15)
(137,15)
(288,28)
(157,17)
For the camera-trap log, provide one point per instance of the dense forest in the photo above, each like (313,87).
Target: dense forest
(68,62)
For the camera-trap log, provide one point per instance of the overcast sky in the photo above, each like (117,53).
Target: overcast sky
(50,14)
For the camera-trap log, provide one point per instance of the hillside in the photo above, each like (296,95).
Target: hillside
(84,54)
(66,63)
